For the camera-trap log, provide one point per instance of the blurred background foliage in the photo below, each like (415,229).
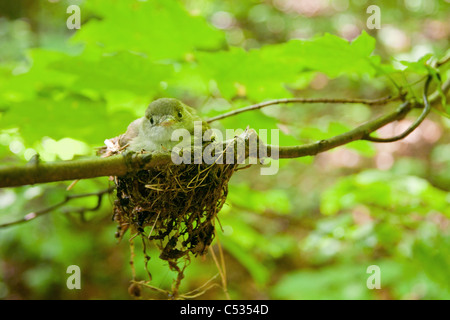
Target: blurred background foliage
(308,232)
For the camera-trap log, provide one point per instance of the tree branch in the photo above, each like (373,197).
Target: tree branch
(261,105)
(419,120)
(33,215)
(119,165)
(358,133)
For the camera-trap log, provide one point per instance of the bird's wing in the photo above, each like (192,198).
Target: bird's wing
(191,110)
(132,132)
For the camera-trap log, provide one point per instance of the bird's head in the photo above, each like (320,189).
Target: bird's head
(165,115)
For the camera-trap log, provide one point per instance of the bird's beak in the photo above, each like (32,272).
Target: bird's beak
(167,121)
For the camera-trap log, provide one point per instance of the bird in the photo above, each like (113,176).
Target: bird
(153,132)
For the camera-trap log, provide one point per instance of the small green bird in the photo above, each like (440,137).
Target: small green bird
(153,132)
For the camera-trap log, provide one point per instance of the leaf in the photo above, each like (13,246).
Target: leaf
(250,74)
(444,108)
(160,29)
(266,73)
(259,201)
(121,71)
(324,283)
(364,44)
(420,66)
(72,117)
(434,258)
(335,56)
(27,85)
(257,270)
(391,193)
(263,124)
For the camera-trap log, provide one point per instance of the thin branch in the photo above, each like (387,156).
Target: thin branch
(380,101)
(82,210)
(419,120)
(33,215)
(261,105)
(119,165)
(434,97)
(443,61)
(356,134)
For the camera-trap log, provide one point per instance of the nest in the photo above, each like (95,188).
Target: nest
(175,206)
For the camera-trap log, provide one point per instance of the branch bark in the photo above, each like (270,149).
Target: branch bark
(261,105)
(35,214)
(119,165)
(358,133)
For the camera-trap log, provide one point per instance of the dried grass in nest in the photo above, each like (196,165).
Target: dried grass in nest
(173,205)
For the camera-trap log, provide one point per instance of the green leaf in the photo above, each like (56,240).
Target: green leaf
(265,73)
(325,284)
(250,74)
(26,85)
(123,71)
(257,270)
(390,193)
(160,29)
(263,124)
(335,56)
(434,258)
(72,117)
(420,66)
(259,201)
(364,44)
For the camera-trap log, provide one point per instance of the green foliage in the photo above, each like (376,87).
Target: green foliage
(282,64)
(385,191)
(344,282)
(160,29)
(308,232)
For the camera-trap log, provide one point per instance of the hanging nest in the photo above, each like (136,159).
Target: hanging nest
(173,205)
(177,204)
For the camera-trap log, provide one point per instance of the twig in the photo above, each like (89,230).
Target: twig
(222,272)
(443,61)
(261,105)
(419,120)
(119,165)
(82,210)
(358,133)
(200,290)
(33,215)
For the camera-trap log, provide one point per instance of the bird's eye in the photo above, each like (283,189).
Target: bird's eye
(180,115)
(151,120)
